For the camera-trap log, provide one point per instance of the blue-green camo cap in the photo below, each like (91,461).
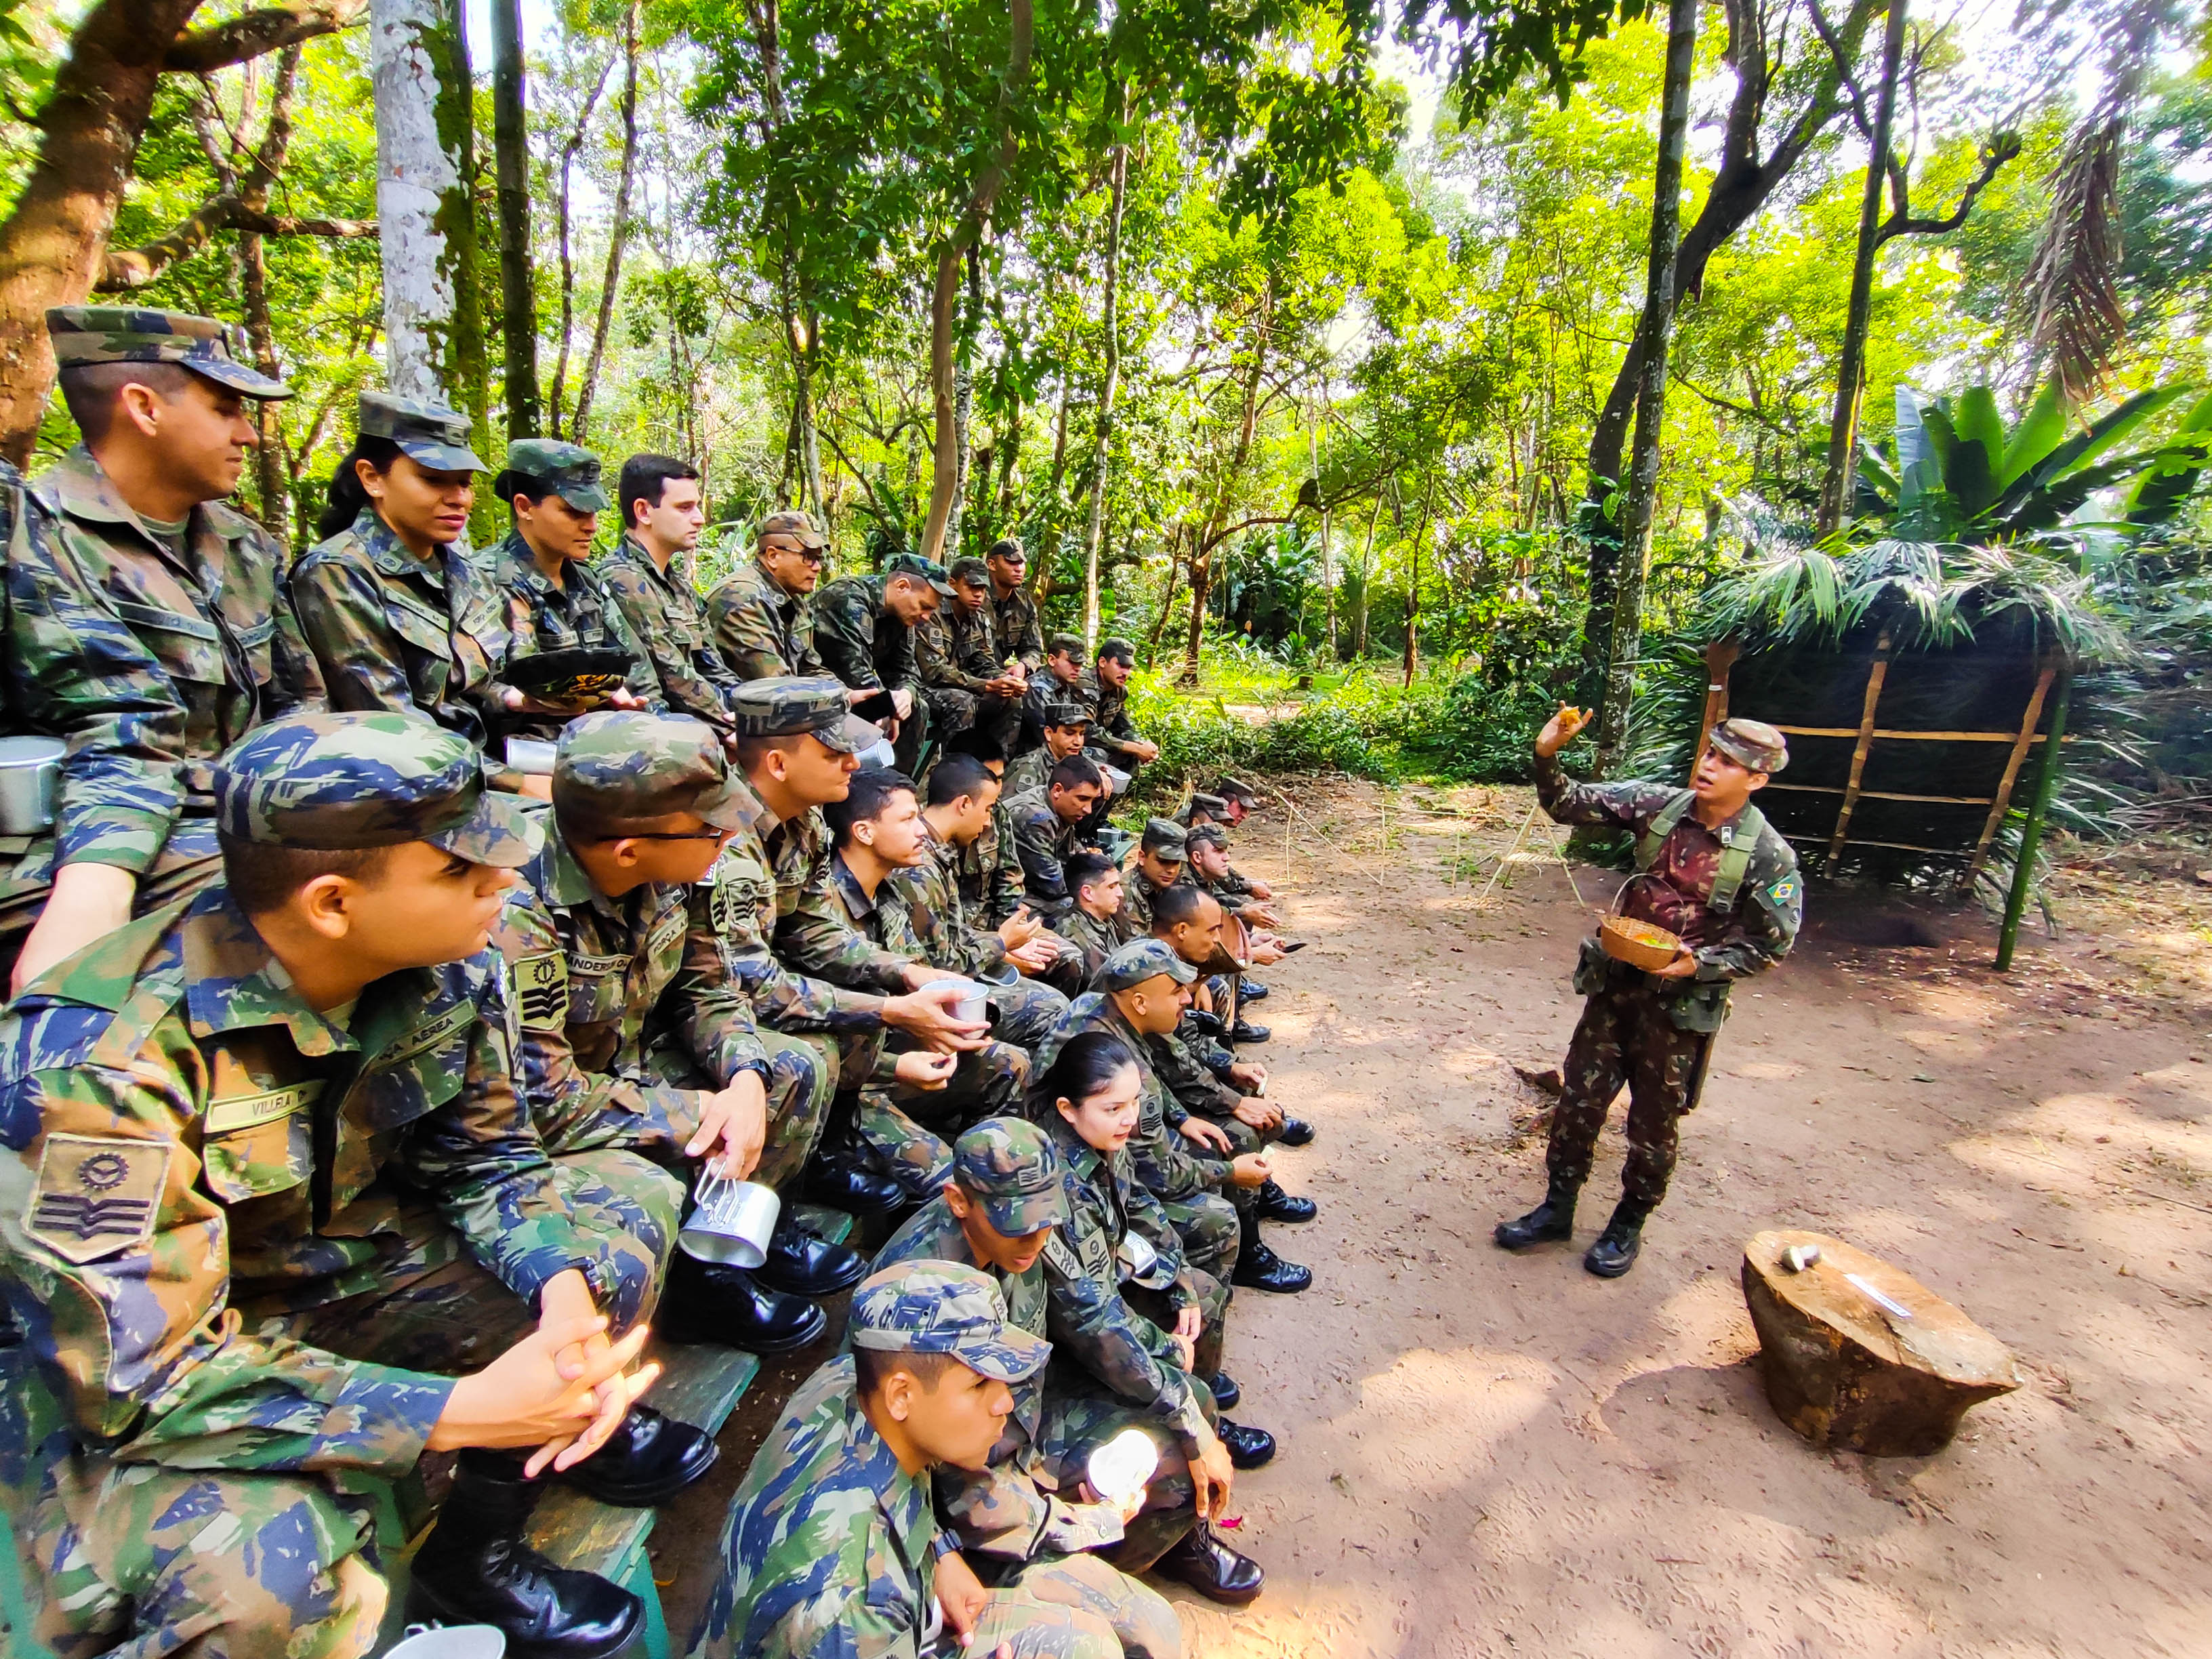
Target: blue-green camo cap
(784,705)
(570,471)
(1141,959)
(430,434)
(329,782)
(215,351)
(942,1307)
(624,766)
(1007,1164)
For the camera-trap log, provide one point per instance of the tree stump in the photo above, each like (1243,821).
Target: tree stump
(1846,1373)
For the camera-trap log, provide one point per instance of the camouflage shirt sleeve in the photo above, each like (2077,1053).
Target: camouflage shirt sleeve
(1629,806)
(1188,1073)
(813,935)
(1769,911)
(937,659)
(1038,844)
(845,635)
(1020,634)
(342,615)
(1090,1323)
(743,903)
(681,682)
(711,1008)
(132,1320)
(73,670)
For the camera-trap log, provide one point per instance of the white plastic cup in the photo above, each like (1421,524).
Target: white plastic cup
(732,1222)
(451,1642)
(1121,1468)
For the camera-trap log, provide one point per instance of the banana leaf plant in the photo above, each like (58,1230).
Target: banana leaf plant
(1959,477)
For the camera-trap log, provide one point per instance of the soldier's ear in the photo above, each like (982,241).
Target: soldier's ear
(1758,781)
(325,905)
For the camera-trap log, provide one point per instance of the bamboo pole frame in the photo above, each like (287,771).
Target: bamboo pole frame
(2003,801)
(2031,835)
(1877,671)
(1719,657)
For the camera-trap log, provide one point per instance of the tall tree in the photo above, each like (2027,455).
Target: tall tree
(517,290)
(619,234)
(1103,439)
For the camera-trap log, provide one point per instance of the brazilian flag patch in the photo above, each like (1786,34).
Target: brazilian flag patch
(538,990)
(1783,891)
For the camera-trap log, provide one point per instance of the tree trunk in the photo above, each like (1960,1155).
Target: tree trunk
(1201,549)
(1327,569)
(568,153)
(517,291)
(963,405)
(272,474)
(620,232)
(1413,584)
(945,462)
(1836,478)
(1103,441)
(1643,483)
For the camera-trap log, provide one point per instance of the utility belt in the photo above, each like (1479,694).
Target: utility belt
(1693,1005)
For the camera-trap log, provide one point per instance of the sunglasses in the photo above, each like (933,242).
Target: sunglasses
(812,554)
(709,834)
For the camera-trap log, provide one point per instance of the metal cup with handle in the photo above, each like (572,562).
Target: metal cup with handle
(450,1641)
(975,1003)
(30,780)
(732,1223)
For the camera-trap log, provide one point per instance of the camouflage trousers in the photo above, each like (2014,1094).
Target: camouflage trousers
(952,711)
(907,1134)
(157,1562)
(188,860)
(1626,1035)
(1212,1227)
(1074,1426)
(1025,1010)
(1212,1293)
(803,1069)
(1077,1607)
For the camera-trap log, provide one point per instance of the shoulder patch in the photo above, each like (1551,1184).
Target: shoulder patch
(538,986)
(96,1196)
(1783,891)
(1060,1258)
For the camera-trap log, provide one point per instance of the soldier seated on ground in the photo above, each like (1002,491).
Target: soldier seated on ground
(832,1544)
(1067,726)
(864,632)
(762,623)
(284,1215)
(962,675)
(962,809)
(1062,681)
(635,1033)
(1095,920)
(1049,829)
(146,623)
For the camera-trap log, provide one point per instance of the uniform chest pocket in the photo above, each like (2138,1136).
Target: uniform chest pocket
(421,1074)
(255,1144)
(188,648)
(429,634)
(598,989)
(255,642)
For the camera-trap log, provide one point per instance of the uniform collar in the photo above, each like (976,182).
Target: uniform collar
(1075,1152)
(779,596)
(233,981)
(81,486)
(854,897)
(566,881)
(636,552)
(381,545)
(516,567)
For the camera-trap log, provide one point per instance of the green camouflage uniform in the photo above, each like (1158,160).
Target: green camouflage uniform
(1096,940)
(861,641)
(1637,1028)
(830,1548)
(627,1008)
(937,914)
(759,629)
(989,869)
(243,1239)
(1045,841)
(666,615)
(1009,1168)
(1111,734)
(146,653)
(1047,689)
(956,659)
(1017,634)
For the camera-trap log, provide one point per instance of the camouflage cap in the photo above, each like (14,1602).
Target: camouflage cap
(570,471)
(1207,834)
(941,1307)
(1008,1165)
(1064,645)
(1139,960)
(1163,838)
(430,434)
(913,564)
(793,525)
(1750,742)
(1065,714)
(1229,789)
(1120,650)
(783,705)
(1213,806)
(215,351)
(974,571)
(330,782)
(1009,549)
(623,767)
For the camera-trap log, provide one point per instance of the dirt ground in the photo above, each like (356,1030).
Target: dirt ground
(1485,1454)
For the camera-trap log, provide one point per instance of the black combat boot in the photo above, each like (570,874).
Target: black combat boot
(1226,1394)
(1251,991)
(799,1264)
(645,1462)
(1248,1447)
(705,1302)
(474,1569)
(1294,1131)
(1209,1567)
(1273,1204)
(1259,1268)
(1615,1251)
(1245,1031)
(1552,1219)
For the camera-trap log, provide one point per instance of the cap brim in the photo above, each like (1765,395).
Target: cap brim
(1014,1355)
(441,458)
(584,498)
(724,806)
(1027,1213)
(501,832)
(837,737)
(240,377)
(944,588)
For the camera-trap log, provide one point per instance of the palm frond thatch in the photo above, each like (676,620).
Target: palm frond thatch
(2074,280)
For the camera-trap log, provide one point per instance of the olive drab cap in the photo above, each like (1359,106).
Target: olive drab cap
(913,564)
(332,782)
(1066,714)
(215,351)
(1750,742)
(974,571)
(1229,789)
(1214,806)
(783,705)
(570,471)
(1163,838)
(1139,960)
(1008,1166)
(624,767)
(792,525)
(430,434)
(1209,835)
(941,1307)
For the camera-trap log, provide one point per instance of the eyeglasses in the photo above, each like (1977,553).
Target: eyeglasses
(812,554)
(709,833)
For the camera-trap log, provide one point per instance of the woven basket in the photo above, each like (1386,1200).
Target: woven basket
(1638,944)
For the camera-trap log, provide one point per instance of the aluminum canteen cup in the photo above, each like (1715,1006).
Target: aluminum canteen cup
(450,1641)
(30,780)
(732,1223)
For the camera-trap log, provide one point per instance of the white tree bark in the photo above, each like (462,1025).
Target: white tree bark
(417,174)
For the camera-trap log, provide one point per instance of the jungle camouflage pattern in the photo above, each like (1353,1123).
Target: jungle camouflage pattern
(541,618)
(1044,841)
(218,351)
(1096,940)
(990,870)
(860,640)
(1111,732)
(759,629)
(1016,635)
(668,618)
(147,663)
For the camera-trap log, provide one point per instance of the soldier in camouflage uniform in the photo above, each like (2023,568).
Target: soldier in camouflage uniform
(1711,871)
(1035,966)
(989,867)
(964,678)
(1049,829)
(1160,857)
(1066,727)
(555,600)
(269,1187)
(1060,681)
(1006,1196)
(761,620)
(864,632)
(1105,692)
(1017,633)
(808,973)
(146,643)
(1095,921)
(1147,1336)
(832,1545)
(633,1032)
(649,575)
(398,614)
